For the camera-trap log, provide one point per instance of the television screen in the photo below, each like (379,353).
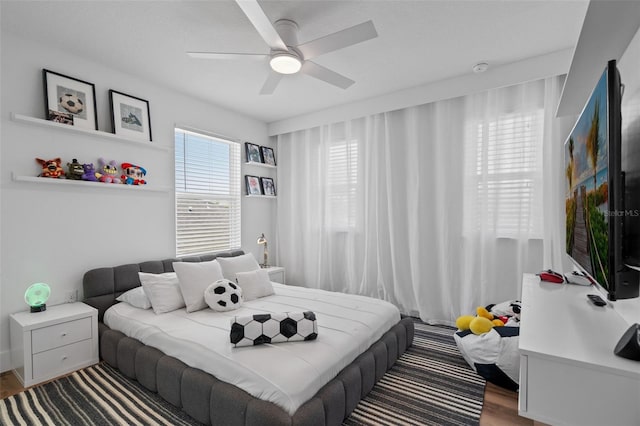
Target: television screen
(631,166)
(587,187)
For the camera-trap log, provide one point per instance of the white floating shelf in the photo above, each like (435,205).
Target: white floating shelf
(255,163)
(18,118)
(97,185)
(260,196)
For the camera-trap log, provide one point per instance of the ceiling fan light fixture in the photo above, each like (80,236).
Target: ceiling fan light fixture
(285,63)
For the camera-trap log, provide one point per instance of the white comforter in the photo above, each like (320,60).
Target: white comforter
(287,374)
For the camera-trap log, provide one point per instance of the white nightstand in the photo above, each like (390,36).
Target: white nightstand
(276,274)
(62,339)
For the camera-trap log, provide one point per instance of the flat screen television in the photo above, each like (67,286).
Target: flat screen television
(595,188)
(630,109)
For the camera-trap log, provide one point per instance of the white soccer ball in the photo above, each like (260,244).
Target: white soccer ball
(223,295)
(71,103)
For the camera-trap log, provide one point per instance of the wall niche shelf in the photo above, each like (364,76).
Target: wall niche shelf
(261,196)
(255,163)
(19,118)
(97,185)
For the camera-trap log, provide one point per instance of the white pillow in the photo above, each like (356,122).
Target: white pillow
(163,291)
(194,279)
(136,298)
(254,284)
(232,265)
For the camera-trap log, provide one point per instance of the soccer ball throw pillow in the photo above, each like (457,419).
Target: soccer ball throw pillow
(223,295)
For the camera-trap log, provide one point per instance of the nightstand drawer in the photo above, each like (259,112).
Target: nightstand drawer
(62,334)
(62,360)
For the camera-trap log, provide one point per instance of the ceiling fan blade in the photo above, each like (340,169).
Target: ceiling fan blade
(265,28)
(325,74)
(271,83)
(338,40)
(220,55)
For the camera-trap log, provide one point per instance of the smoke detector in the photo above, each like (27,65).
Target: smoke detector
(480,67)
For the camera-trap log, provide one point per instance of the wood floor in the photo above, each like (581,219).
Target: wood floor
(500,405)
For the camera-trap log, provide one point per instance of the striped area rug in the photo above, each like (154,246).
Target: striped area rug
(97,395)
(430,384)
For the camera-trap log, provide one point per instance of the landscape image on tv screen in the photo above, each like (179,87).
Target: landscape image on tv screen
(587,193)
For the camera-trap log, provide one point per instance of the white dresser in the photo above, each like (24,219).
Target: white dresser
(48,344)
(569,374)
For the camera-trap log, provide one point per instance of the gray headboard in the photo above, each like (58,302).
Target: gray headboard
(102,285)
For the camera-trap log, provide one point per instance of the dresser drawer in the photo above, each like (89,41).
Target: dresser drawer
(61,334)
(62,360)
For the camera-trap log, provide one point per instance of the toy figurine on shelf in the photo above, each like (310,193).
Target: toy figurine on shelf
(51,168)
(89,173)
(108,171)
(75,170)
(133,175)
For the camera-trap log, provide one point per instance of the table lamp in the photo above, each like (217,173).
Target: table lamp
(36,296)
(263,240)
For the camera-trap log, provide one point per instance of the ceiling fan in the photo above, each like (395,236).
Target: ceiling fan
(289,57)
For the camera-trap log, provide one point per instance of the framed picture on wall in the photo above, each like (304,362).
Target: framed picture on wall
(268,186)
(253,185)
(268,156)
(130,116)
(68,95)
(252,152)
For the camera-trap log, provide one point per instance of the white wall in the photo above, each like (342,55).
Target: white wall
(54,233)
(529,69)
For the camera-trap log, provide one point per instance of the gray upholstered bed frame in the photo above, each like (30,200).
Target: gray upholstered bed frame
(211,401)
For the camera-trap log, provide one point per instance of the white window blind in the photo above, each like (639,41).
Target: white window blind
(207,171)
(509,174)
(342,182)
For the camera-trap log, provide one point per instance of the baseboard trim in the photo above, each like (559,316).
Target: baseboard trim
(5,361)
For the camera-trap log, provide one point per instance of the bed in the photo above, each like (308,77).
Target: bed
(183,377)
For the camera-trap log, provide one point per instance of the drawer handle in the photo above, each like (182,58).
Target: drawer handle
(64,334)
(64,358)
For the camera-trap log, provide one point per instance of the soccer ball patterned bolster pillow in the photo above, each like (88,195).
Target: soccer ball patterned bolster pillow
(223,295)
(273,328)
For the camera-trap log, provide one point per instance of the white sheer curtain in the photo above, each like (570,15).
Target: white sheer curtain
(436,208)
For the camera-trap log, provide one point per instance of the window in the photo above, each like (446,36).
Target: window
(207,193)
(509,174)
(342,182)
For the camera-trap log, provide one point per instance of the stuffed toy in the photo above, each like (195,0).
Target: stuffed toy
(89,173)
(51,168)
(490,350)
(508,312)
(133,174)
(108,171)
(75,170)
(481,323)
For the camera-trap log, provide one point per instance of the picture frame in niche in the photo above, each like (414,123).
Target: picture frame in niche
(69,95)
(268,186)
(253,185)
(252,152)
(130,116)
(268,156)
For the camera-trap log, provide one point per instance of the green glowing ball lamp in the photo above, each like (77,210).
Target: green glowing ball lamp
(36,296)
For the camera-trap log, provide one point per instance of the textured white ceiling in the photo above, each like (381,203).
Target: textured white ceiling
(419,42)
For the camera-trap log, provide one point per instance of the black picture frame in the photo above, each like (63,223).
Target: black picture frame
(268,186)
(252,153)
(72,96)
(268,156)
(254,187)
(134,117)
